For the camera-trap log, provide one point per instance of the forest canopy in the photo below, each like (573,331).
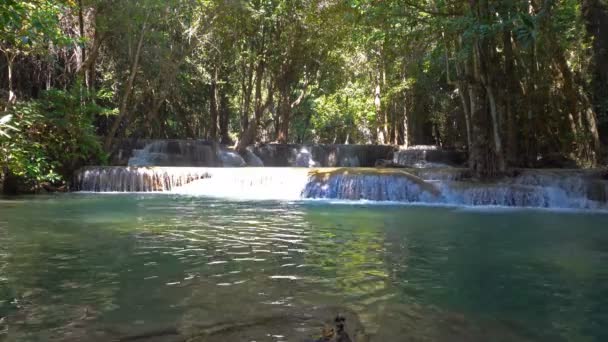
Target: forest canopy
(512,82)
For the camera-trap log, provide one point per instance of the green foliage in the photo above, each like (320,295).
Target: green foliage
(335,71)
(346,115)
(52,137)
(26,26)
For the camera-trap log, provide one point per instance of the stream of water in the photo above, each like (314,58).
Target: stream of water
(101,267)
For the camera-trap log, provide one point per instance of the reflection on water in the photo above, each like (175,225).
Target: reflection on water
(162,267)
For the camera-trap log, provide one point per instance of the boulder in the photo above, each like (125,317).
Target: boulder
(251,159)
(231,158)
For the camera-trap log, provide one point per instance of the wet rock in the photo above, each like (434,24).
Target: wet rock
(10,183)
(287,324)
(252,159)
(231,159)
(48,187)
(322,155)
(174,153)
(389,164)
(428,157)
(304,159)
(555,160)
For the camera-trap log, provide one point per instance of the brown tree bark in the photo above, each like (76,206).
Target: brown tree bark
(213,108)
(406,135)
(511,93)
(122,112)
(248,137)
(247,89)
(12,97)
(224,113)
(381,133)
(595,14)
(284,114)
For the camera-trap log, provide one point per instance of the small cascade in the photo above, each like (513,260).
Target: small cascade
(507,195)
(574,189)
(136,179)
(175,153)
(354,184)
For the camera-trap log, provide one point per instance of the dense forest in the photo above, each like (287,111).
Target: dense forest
(514,82)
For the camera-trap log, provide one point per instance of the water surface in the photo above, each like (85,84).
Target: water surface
(85,267)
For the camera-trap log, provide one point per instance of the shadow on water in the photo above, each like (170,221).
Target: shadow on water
(171,268)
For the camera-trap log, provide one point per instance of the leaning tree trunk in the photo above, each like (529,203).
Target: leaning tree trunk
(122,112)
(248,137)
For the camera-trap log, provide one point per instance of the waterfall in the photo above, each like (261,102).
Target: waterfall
(574,189)
(353,184)
(529,188)
(175,153)
(136,179)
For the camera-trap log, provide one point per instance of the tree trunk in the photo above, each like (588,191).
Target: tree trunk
(284,114)
(248,137)
(247,88)
(213,110)
(595,14)
(406,135)
(511,93)
(12,97)
(127,92)
(224,113)
(381,134)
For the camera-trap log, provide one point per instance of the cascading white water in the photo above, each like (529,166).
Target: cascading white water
(262,183)
(393,186)
(531,188)
(136,179)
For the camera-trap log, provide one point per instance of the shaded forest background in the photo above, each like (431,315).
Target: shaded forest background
(517,83)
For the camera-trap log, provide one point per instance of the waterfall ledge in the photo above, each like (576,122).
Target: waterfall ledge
(529,188)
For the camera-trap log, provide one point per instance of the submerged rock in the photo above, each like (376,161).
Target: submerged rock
(291,324)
